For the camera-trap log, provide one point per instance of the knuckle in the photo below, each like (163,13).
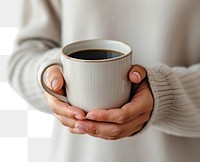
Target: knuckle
(121,119)
(70,112)
(67,112)
(52,69)
(63,120)
(94,129)
(117,131)
(105,117)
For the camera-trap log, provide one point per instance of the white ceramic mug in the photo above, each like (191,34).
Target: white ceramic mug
(93,83)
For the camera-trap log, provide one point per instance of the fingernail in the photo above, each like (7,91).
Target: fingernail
(82,128)
(79,117)
(137,75)
(91,117)
(54,83)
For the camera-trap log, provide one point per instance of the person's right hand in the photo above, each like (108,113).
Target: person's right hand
(65,113)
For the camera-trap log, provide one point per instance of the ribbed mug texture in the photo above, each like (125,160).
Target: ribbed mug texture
(99,84)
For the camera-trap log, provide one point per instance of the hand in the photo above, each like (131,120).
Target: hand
(65,113)
(122,122)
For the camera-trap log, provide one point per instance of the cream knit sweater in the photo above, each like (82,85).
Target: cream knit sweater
(165,37)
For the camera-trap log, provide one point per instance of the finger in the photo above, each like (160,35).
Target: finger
(136,130)
(54,78)
(68,122)
(64,109)
(119,115)
(111,130)
(137,73)
(76,131)
(141,103)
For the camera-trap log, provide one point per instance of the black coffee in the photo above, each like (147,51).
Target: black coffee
(95,54)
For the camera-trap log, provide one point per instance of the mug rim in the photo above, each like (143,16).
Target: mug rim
(101,60)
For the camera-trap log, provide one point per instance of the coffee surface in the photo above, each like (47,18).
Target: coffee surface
(95,54)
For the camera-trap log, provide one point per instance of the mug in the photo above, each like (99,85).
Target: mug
(95,73)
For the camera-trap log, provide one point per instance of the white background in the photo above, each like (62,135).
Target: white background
(25,133)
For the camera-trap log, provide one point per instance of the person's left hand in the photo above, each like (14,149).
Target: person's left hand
(122,122)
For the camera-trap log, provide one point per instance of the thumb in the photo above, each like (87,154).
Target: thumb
(54,78)
(137,73)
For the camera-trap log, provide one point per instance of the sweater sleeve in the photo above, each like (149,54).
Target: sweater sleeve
(176,94)
(38,39)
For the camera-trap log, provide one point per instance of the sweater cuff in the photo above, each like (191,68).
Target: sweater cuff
(160,82)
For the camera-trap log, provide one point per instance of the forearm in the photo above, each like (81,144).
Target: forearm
(38,39)
(176,94)
(22,72)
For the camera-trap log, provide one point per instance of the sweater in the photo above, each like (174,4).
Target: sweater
(165,37)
